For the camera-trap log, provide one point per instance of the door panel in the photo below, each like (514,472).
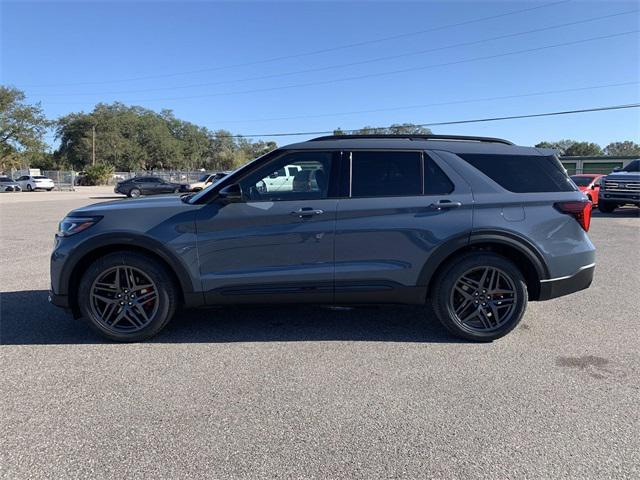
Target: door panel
(382,244)
(259,252)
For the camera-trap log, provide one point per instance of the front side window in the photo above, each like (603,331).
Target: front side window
(385,174)
(295,176)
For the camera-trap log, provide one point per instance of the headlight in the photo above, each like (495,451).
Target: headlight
(72,225)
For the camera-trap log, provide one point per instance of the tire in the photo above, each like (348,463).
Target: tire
(127,297)
(607,207)
(503,311)
(176,190)
(134,193)
(29,187)
(49,189)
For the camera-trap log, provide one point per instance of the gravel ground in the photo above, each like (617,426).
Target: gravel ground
(310,392)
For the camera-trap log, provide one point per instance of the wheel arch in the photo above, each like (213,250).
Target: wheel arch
(103,246)
(512,246)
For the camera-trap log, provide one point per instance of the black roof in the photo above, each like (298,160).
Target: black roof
(416,137)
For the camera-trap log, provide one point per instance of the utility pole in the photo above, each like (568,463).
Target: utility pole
(93,145)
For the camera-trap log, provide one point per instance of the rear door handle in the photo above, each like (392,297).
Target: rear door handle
(442,204)
(306,212)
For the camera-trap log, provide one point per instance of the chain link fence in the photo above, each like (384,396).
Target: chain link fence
(63,179)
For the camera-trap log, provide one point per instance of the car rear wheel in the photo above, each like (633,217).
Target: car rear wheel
(134,193)
(127,297)
(480,296)
(607,207)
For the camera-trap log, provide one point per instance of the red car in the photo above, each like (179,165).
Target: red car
(589,183)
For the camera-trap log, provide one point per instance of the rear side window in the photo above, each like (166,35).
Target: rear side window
(523,173)
(436,181)
(386,174)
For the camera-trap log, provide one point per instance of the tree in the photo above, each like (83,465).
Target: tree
(22,128)
(560,145)
(626,148)
(395,129)
(584,149)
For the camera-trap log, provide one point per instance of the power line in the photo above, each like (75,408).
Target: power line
(313,52)
(457,122)
(351,64)
(436,104)
(380,74)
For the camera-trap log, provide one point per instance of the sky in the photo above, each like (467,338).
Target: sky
(267,67)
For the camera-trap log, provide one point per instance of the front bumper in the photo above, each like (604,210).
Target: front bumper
(558,287)
(58,300)
(620,197)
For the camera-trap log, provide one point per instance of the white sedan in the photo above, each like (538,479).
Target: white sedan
(35,182)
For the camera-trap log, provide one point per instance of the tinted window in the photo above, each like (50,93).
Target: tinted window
(386,174)
(436,181)
(5,179)
(523,173)
(581,181)
(310,180)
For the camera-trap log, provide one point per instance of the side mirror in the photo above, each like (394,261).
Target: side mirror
(231,194)
(617,169)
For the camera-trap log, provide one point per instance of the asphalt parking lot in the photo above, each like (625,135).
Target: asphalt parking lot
(310,392)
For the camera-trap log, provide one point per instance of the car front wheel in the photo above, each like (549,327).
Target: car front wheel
(127,297)
(480,296)
(29,187)
(607,207)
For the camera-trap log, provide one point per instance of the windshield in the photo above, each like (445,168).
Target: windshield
(204,178)
(632,167)
(582,181)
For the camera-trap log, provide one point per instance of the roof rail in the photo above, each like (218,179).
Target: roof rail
(415,137)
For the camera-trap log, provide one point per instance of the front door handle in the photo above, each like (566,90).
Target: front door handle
(441,204)
(306,212)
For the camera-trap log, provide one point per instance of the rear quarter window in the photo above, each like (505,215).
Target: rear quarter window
(523,173)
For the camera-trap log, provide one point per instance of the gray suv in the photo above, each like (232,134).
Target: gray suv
(475,226)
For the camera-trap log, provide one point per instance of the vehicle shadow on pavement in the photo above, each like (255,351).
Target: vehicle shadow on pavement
(630,212)
(26,318)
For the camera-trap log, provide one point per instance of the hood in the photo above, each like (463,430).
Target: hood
(624,176)
(168,202)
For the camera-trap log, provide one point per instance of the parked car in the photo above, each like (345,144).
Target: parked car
(134,187)
(589,184)
(35,182)
(205,180)
(476,226)
(9,185)
(622,187)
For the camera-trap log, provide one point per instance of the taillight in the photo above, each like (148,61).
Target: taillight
(581,211)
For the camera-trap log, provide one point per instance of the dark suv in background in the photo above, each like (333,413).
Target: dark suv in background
(476,226)
(622,187)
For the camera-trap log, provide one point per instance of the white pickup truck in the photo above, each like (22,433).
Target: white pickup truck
(281,180)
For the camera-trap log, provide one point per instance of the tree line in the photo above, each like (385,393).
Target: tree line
(131,138)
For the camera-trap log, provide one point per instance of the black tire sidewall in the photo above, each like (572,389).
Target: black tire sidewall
(446,282)
(166,294)
(606,207)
